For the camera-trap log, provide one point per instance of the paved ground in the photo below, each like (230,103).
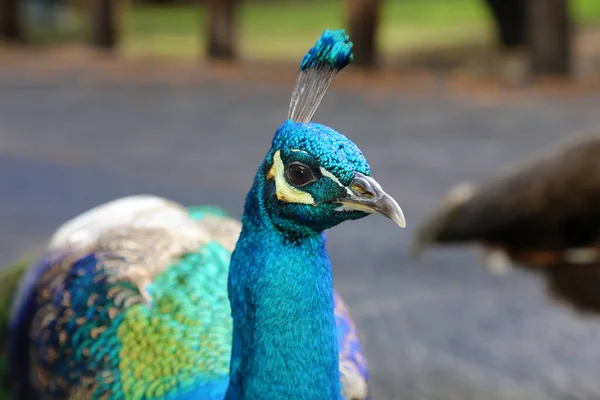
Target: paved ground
(445,330)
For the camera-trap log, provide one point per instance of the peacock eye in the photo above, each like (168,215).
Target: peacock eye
(299,174)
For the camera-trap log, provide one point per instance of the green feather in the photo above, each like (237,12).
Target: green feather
(198,213)
(186,333)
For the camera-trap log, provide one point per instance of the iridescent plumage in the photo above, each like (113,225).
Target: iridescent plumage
(141,298)
(111,321)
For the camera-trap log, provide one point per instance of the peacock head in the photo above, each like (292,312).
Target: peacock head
(315,177)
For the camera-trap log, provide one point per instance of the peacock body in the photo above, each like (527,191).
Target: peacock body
(540,214)
(142,298)
(147,329)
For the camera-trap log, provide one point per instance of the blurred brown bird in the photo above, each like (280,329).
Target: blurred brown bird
(543,214)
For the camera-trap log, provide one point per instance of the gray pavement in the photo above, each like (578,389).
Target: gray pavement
(445,329)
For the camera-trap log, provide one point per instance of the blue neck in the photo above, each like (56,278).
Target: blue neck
(281,294)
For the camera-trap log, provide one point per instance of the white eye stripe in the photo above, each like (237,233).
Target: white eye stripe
(328,174)
(290,194)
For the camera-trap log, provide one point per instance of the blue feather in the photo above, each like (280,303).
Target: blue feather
(160,308)
(332,50)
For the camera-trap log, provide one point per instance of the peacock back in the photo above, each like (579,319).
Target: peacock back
(130,302)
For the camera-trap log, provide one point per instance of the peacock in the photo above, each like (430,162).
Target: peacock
(143,298)
(541,214)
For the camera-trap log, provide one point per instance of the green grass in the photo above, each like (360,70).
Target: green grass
(285,29)
(586,11)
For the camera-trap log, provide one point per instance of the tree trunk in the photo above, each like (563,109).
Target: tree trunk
(549,37)
(363,21)
(509,18)
(104,23)
(221,29)
(11,26)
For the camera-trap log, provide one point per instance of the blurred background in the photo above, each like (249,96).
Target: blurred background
(106,98)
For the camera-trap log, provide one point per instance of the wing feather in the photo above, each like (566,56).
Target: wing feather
(548,202)
(130,300)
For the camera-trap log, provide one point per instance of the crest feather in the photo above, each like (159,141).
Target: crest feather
(331,53)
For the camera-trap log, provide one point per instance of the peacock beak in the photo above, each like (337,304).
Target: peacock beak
(366,195)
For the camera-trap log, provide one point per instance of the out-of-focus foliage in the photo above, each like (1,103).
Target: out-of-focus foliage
(281,30)
(9,280)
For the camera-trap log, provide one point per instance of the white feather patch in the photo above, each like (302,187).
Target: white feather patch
(141,211)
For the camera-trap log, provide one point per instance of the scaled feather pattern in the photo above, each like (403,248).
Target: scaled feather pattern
(130,302)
